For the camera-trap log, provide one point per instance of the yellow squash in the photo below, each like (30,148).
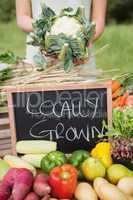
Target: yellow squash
(102,151)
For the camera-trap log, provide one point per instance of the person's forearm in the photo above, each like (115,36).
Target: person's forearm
(98,16)
(25,23)
(24,15)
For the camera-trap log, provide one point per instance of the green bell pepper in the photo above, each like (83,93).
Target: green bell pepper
(77,158)
(53,159)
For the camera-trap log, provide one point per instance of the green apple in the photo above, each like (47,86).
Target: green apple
(93,168)
(117,171)
(130,173)
(4,167)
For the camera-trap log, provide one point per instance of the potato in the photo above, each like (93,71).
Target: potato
(32,196)
(129,197)
(97,184)
(109,191)
(84,191)
(126,185)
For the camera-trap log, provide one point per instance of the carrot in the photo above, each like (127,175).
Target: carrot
(116,93)
(124,98)
(116,102)
(129,100)
(115,85)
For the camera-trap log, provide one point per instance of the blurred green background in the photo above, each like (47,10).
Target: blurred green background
(118,34)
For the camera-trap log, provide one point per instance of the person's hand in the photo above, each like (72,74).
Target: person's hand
(99,29)
(90,44)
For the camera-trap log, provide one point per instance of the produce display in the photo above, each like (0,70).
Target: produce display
(64,36)
(82,175)
(41,172)
(121,134)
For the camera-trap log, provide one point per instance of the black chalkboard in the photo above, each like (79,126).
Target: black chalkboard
(71,117)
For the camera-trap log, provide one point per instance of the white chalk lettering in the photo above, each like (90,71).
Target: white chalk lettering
(60,132)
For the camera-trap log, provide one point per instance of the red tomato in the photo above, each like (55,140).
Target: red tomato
(129,101)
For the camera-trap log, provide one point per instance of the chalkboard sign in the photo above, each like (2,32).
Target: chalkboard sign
(70,114)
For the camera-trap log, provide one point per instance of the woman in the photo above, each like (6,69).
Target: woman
(30,9)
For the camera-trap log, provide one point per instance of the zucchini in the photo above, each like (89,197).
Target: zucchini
(35,147)
(34,159)
(16,162)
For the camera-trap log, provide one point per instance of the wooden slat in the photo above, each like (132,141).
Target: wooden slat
(4,123)
(3,115)
(5,152)
(3,110)
(5,141)
(5,146)
(5,134)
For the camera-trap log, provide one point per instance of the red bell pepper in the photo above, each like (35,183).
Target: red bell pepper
(63,181)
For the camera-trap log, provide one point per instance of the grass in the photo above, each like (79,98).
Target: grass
(12,38)
(120,52)
(118,55)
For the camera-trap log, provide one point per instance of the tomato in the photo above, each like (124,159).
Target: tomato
(129,101)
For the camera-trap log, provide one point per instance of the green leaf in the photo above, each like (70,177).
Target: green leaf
(123,121)
(8,57)
(47,12)
(42,26)
(40,61)
(127,84)
(66,58)
(5,74)
(53,44)
(68,12)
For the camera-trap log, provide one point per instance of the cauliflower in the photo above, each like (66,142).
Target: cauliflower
(67,25)
(65,36)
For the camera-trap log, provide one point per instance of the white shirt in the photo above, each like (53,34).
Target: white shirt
(57,6)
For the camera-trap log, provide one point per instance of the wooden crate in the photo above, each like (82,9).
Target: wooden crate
(5,134)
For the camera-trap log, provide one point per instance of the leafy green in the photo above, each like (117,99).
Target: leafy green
(42,25)
(40,62)
(66,57)
(127,84)
(47,12)
(122,122)
(5,74)
(8,57)
(67,12)
(53,44)
(76,48)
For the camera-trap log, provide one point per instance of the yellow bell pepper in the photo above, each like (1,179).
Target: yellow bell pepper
(102,151)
